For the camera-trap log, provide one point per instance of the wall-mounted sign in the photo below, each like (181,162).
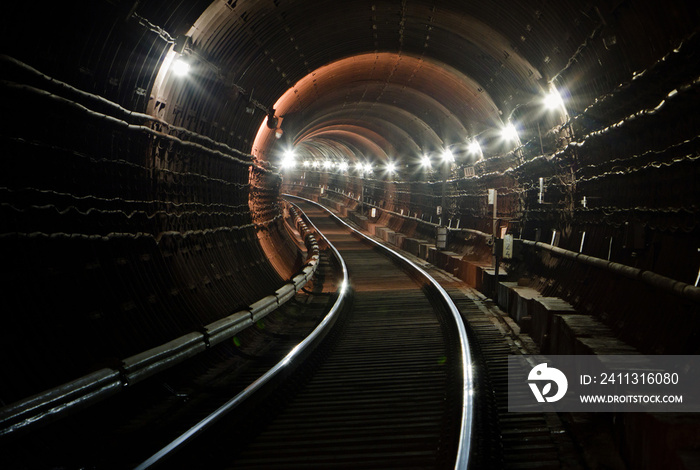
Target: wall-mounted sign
(492,196)
(441,239)
(508,246)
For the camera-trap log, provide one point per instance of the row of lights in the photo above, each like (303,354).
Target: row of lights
(289,162)
(509,133)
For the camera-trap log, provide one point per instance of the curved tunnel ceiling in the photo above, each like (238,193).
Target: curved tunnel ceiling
(394,94)
(423,75)
(396,66)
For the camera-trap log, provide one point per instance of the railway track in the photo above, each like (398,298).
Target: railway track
(386,389)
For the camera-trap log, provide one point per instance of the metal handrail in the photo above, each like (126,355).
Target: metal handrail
(101,384)
(318,333)
(466,425)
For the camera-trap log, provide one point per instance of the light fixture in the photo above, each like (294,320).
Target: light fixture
(448,156)
(272,120)
(307,163)
(359,167)
(289,159)
(343,166)
(425,161)
(474,148)
(180,67)
(368,167)
(390,167)
(509,132)
(314,164)
(553,100)
(327,164)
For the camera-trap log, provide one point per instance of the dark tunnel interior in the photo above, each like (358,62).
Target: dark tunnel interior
(145,146)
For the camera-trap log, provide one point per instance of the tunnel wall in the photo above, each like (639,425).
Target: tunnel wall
(632,154)
(120,232)
(647,317)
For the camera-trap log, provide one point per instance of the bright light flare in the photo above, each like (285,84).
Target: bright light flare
(390,167)
(509,132)
(448,156)
(553,100)
(425,161)
(343,166)
(327,165)
(307,163)
(289,159)
(180,67)
(314,164)
(368,167)
(474,148)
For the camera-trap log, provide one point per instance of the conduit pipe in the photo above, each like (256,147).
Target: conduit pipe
(652,279)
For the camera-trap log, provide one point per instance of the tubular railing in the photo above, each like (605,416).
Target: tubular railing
(106,382)
(291,359)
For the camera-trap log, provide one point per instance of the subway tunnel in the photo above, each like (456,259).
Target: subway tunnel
(147,146)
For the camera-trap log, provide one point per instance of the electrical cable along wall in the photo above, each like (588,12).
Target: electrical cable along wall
(119,233)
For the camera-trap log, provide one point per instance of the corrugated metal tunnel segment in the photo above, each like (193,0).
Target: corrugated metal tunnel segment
(386,392)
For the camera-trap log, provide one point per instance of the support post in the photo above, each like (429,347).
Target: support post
(495,260)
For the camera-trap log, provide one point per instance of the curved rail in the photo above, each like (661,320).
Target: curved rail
(318,333)
(463,452)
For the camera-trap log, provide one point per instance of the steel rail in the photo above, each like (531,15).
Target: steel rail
(467,419)
(318,333)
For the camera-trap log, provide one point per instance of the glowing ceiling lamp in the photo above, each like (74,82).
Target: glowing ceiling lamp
(553,100)
(343,166)
(368,167)
(425,161)
(448,156)
(314,164)
(474,148)
(327,165)
(509,132)
(307,163)
(180,67)
(391,167)
(289,159)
